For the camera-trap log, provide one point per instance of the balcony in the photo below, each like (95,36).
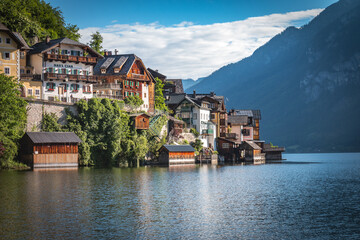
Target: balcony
(231,136)
(64,58)
(138,76)
(69,77)
(110,96)
(111,86)
(30,76)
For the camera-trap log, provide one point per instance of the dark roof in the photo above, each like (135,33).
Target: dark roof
(179,148)
(3,27)
(17,37)
(241,119)
(253,145)
(155,74)
(111,61)
(256,114)
(42,47)
(177,83)
(175,120)
(22,40)
(175,99)
(53,137)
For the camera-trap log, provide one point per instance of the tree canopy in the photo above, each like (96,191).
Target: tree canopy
(12,120)
(36,18)
(96,41)
(159,96)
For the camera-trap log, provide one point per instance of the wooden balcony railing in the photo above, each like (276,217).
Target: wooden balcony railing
(30,76)
(70,58)
(114,86)
(117,97)
(138,76)
(69,77)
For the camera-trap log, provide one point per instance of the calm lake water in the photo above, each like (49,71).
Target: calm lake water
(309,196)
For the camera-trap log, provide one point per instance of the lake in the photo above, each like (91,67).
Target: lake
(308,196)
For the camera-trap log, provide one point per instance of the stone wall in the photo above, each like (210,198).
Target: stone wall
(37,107)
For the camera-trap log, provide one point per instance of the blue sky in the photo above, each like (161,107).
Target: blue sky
(187,39)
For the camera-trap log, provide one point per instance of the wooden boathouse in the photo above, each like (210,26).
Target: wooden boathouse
(176,154)
(253,152)
(140,121)
(50,149)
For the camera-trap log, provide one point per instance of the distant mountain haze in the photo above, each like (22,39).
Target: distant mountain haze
(305,81)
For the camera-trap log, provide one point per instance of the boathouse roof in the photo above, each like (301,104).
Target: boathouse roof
(179,148)
(53,137)
(253,145)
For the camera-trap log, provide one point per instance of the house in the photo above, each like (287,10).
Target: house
(65,67)
(251,131)
(50,149)
(217,110)
(253,153)
(236,125)
(156,74)
(272,152)
(175,126)
(140,121)
(176,154)
(172,86)
(229,148)
(121,76)
(12,49)
(196,114)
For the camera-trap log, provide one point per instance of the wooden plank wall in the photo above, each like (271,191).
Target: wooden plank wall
(56,148)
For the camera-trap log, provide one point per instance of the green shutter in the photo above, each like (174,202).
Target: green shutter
(47,85)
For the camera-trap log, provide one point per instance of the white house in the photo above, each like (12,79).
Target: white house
(66,68)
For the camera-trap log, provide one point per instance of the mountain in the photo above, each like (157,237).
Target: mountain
(305,81)
(188,83)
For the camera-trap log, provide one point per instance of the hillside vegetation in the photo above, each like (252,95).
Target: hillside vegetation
(36,18)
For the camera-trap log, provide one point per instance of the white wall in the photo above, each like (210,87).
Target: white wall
(145,97)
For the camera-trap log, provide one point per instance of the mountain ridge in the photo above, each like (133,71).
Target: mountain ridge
(312,70)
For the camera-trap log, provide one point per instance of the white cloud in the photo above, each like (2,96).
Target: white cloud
(186,50)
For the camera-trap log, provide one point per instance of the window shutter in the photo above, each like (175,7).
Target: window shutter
(72,87)
(47,85)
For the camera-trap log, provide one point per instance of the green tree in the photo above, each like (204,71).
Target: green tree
(50,123)
(197,145)
(12,119)
(96,41)
(159,96)
(36,18)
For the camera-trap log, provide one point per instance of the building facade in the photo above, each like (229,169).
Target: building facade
(12,47)
(121,76)
(65,67)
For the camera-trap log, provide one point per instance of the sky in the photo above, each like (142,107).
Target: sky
(187,39)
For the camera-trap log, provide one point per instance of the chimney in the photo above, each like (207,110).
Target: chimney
(212,94)
(105,52)
(194,93)
(116,51)
(109,53)
(47,39)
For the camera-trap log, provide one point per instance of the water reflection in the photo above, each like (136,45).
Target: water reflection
(273,201)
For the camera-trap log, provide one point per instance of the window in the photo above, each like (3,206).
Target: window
(225,145)
(144,95)
(74,87)
(195,116)
(50,86)
(8,40)
(103,71)
(30,91)
(22,55)
(37,92)
(6,55)
(27,71)
(213,116)
(64,52)
(22,71)
(7,70)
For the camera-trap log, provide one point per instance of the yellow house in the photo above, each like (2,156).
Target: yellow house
(13,50)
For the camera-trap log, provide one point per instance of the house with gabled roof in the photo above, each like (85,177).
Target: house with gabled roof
(65,67)
(12,49)
(251,130)
(124,75)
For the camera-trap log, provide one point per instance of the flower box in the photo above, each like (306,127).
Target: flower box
(50,89)
(75,91)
